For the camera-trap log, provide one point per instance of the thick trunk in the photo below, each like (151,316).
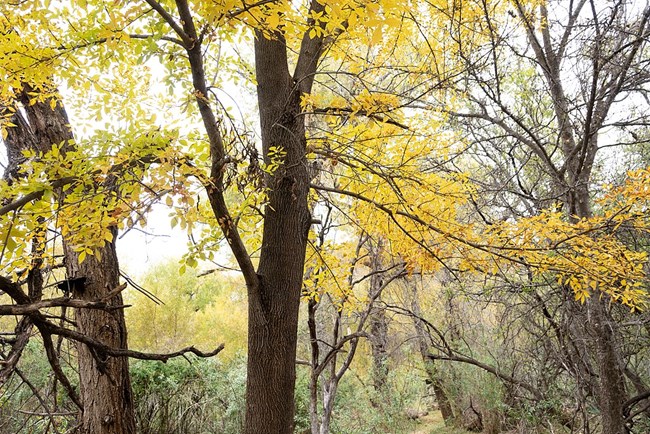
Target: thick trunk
(273,305)
(104,382)
(274,290)
(20,139)
(105,386)
(273,313)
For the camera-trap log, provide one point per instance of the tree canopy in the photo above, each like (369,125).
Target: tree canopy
(473,138)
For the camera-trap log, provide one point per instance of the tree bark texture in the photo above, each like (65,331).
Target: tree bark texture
(273,305)
(105,387)
(378,320)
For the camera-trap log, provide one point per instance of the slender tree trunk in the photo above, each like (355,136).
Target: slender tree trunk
(611,396)
(378,320)
(105,388)
(433,377)
(611,380)
(329,394)
(573,186)
(312,308)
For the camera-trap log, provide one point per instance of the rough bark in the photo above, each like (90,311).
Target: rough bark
(378,320)
(273,308)
(105,385)
(105,388)
(274,289)
(274,303)
(21,139)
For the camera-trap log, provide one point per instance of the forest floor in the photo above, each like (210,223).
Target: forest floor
(434,424)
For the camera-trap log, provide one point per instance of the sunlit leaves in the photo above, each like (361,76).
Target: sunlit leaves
(372,130)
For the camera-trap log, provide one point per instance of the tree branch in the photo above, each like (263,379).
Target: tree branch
(310,51)
(28,308)
(187,40)
(462,359)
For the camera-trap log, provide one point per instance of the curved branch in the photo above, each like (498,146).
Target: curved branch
(462,359)
(120,352)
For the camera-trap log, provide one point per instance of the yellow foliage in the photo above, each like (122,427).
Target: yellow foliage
(201,311)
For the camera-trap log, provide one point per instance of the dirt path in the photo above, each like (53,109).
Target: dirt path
(434,424)
(429,424)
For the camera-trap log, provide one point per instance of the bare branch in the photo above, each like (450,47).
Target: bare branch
(456,358)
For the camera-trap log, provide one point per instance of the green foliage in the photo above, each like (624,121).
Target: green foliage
(20,409)
(301,418)
(361,410)
(189,396)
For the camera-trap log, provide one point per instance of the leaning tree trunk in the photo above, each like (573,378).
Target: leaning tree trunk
(432,376)
(18,140)
(105,387)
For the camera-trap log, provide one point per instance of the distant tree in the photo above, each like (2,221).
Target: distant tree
(547,90)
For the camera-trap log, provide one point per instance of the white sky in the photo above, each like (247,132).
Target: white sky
(138,250)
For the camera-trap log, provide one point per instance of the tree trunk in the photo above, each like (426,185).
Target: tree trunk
(274,290)
(573,181)
(314,419)
(105,388)
(611,380)
(433,378)
(329,394)
(19,139)
(273,305)
(105,385)
(611,396)
(378,320)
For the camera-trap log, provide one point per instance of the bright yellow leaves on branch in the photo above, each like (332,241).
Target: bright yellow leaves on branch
(420,218)
(586,257)
(367,129)
(589,257)
(81,194)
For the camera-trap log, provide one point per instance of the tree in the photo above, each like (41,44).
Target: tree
(62,189)
(550,103)
(380,131)
(274,289)
(105,390)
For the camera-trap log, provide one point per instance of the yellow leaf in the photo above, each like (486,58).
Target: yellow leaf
(273,20)
(377,35)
